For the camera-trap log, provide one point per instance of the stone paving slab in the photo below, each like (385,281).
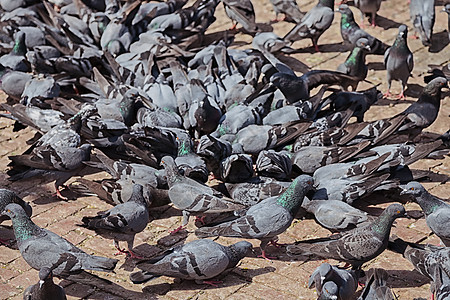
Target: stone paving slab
(253,278)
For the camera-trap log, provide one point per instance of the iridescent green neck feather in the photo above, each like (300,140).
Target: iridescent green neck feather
(24,228)
(184,148)
(383,224)
(292,198)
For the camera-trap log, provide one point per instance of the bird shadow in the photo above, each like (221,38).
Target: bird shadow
(7,234)
(237,276)
(386,23)
(406,279)
(377,66)
(326,48)
(438,42)
(413,90)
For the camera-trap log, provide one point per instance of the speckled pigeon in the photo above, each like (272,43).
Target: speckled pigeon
(42,248)
(46,289)
(267,219)
(199,260)
(356,246)
(193,197)
(376,286)
(123,221)
(398,61)
(437,212)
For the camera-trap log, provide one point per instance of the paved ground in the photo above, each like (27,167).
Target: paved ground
(253,278)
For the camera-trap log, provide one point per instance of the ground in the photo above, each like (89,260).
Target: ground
(256,278)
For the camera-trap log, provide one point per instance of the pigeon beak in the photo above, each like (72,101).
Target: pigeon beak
(41,282)
(407,216)
(404,192)
(368,48)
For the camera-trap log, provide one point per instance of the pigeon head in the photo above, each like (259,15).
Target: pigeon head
(327,3)
(395,210)
(402,31)
(19,44)
(413,188)
(14,211)
(446,8)
(241,249)
(344,9)
(363,43)
(329,291)
(45,273)
(433,88)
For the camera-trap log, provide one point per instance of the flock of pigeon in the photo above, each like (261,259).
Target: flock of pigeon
(134,89)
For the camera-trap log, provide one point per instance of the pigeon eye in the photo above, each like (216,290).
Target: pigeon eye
(412,189)
(398,211)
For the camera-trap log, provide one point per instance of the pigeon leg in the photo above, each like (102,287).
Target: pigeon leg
(234,26)
(200,219)
(263,255)
(119,251)
(373,20)
(58,194)
(316,47)
(276,244)
(387,94)
(133,255)
(401,96)
(276,18)
(176,230)
(213,283)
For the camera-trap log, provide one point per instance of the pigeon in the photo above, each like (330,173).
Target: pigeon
(15,60)
(430,261)
(376,286)
(193,197)
(236,168)
(13,82)
(447,10)
(267,219)
(242,12)
(368,7)
(355,64)
(42,248)
(199,260)
(351,32)
(437,212)
(269,41)
(123,221)
(256,189)
(346,281)
(335,215)
(398,61)
(355,246)
(313,24)
(274,164)
(298,88)
(422,17)
(289,8)
(46,289)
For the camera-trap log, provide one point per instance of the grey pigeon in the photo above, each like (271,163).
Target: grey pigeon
(368,7)
(46,289)
(267,219)
(376,286)
(270,42)
(355,64)
(422,17)
(398,61)
(123,221)
(355,246)
(335,215)
(447,10)
(242,12)
(351,32)
(199,260)
(289,8)
(437,212)
(15,60)
(193,197)
(346,281)
(236,168)
(277,165)
(42,248)
(13,82)
(313,24)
